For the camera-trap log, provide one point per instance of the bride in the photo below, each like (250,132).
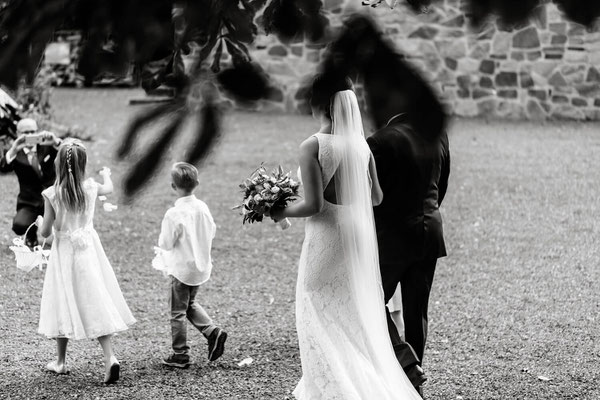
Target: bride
(345,349)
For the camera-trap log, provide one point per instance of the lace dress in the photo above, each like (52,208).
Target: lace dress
(341,359)
(81,297)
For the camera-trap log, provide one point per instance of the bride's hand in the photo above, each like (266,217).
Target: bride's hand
(276,214)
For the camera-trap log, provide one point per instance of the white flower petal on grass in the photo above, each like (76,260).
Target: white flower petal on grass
(245,361)
(108,207)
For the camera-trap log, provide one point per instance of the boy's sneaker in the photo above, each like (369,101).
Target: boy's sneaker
(216,343)
(177,361)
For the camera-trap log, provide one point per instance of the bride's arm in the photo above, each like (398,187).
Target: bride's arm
(313,185)
(376,192)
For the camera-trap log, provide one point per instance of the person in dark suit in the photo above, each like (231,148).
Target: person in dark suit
(413,165)
(34,166)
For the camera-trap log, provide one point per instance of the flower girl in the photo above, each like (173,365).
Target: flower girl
(81,297)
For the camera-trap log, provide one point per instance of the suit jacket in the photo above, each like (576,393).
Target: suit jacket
(413,171)
(32,183)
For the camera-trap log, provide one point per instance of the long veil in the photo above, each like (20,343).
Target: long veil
(359,241)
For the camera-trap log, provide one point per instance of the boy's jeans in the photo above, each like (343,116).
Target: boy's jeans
(183,304)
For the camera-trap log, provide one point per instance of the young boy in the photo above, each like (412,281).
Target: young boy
(185,239)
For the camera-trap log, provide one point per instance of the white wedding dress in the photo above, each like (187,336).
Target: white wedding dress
(345,350)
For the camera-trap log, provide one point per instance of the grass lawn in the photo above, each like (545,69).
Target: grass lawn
(517,298)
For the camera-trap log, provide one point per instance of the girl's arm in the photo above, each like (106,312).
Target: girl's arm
(46,228)
(107,186)
(313,184)
(376,192)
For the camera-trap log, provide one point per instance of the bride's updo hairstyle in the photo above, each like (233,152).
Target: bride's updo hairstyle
(324,87)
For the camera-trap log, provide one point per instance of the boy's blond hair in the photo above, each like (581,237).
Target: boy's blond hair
(184,176)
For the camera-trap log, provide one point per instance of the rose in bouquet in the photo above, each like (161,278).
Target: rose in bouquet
(263,192)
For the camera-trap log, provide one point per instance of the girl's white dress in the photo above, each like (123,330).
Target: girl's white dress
(81,297)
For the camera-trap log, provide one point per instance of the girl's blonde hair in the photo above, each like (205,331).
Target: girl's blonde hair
(70,175)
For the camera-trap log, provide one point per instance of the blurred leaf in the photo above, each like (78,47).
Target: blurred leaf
(255,5)
(510,12)
(419,6)
(145,167)
(585,12)
(216,64)
(141,120)
(20,32)
(245,82)
(315,22)
(244,49)
(136,30)
(144,30)
(207,48)
(315,27)
(238,56)
(209,123)
(239,23)
(283,19)
(95,60)
(392,86)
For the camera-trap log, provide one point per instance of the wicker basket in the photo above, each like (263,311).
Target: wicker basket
(28,259)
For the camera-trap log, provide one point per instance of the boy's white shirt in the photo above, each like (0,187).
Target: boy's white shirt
(185,241)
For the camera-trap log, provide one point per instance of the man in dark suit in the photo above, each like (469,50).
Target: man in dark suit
(34,166)
(413,168)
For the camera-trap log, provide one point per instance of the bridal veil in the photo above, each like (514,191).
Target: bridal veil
(358,236)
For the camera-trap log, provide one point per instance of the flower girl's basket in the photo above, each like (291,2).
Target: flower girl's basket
(26,258)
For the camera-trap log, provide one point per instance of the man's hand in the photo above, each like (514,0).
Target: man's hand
(18,144)
(49,139)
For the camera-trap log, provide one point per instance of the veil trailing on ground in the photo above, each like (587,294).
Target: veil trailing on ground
(359,241)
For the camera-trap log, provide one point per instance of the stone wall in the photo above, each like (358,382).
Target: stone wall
(547,68)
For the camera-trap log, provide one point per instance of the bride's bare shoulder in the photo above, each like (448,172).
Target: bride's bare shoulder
(310,145)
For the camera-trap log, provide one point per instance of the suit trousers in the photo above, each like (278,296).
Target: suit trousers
(415,280)
(183,305)
(26,216)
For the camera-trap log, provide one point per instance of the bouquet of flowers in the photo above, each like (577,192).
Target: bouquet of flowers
(262,192)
